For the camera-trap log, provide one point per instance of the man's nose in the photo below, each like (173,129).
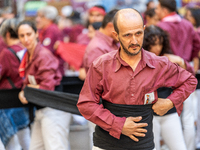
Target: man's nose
(133,40)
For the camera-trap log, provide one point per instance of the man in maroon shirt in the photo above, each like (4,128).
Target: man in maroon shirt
(127,81)
(103,41)
(95,14)
(48,31)
(184,42)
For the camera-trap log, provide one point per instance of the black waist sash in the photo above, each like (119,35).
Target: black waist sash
(9,98)
(103,140)
(54,99)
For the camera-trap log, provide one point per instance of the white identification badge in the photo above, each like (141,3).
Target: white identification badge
(149,98)
(32,80)
(47,42)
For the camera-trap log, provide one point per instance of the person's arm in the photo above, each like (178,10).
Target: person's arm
(89,107)
(195,45)
(181,62)
(5,63)
(183,84)
(22,98)
(93,54)
(176,59)
(46,72)
(0,71)
(196,64)
(50,39)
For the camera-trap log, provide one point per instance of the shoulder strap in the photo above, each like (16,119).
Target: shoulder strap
(10,81)
(13,53)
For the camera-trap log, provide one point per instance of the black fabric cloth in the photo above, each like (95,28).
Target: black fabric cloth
(54,99)
(164,92)
(103,140)
(71,85)
(198,78)
(9,98)
(68,85)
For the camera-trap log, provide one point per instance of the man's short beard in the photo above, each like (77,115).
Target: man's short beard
(126,50)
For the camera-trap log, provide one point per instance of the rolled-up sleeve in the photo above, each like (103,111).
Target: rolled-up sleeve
(182,82)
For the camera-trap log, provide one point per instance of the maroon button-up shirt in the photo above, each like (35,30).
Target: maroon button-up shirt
(43,68)
(10,65)
(48,36)
(114,80)
(184,41)
(83,38)
(99,45)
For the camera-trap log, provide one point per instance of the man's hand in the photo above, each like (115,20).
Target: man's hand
(82,74)
(56,44)
(22,98)
(132,129)
(34,86)
(162,106)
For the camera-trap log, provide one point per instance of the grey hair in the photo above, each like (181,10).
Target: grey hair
(7,10)
(49,12)
(9,25)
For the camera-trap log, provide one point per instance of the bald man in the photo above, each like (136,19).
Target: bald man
(127,81)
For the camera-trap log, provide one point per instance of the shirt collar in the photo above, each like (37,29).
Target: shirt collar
(172,17)
(36,51)
(118,62)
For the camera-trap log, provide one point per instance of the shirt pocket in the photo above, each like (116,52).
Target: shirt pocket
(150,96)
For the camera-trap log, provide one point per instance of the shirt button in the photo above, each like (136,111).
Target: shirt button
(132,94)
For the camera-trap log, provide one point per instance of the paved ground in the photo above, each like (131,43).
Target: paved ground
(79,137)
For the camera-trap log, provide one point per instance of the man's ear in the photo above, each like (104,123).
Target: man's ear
(7,34)
(115,35)
(110,25)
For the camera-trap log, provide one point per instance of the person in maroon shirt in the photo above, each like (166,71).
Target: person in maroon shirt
(48,31)
(184,42)
(39,68)
(151,17)
(103,41)
(150,5)
(127,81)
(96,14)
(187,43)
(11,126)
(193,15)
(169,125)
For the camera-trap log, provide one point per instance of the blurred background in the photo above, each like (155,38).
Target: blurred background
(28,8)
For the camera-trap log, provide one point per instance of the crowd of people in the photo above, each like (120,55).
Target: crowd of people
(140,74)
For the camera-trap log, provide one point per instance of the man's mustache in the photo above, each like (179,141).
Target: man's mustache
(133,45)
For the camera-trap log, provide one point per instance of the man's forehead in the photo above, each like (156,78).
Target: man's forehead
(130,20)
(129,15)
(95,13)
(40,14)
